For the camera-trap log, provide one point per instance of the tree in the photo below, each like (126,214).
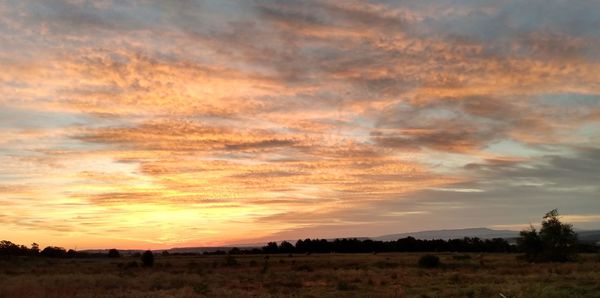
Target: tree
(286,247)
(555,242)
(8,248)
(35,249)
(271,248)
(558,239)
(148,258)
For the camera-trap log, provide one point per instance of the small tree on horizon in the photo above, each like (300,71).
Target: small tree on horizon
(558,239)
(555,242)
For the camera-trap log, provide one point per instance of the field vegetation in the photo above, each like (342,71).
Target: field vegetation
(300,275)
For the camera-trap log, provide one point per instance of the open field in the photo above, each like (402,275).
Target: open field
(325,275)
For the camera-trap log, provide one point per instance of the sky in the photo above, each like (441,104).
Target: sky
(155,124)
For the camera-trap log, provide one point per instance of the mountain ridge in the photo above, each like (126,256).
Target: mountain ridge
(591,236)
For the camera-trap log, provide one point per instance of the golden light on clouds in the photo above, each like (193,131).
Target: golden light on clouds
(149,124)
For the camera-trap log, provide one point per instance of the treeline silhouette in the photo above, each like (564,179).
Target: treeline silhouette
(408,244)
(8,248)
(307,246)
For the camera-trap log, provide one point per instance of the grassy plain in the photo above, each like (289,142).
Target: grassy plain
(317,275)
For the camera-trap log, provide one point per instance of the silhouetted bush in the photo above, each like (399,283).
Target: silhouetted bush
(54,252)
(71,253)
(429,261)
(148,259)
(113,253)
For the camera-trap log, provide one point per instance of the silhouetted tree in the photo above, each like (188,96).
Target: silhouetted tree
(558,239)
(148,259)
(555,242)
(271,248)
(35,249)
(286,247)
(8,248)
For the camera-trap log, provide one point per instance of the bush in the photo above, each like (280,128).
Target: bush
(113,253)
(54,252)
(429,261)
(148,259)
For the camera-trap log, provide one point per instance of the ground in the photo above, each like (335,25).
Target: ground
(299,275)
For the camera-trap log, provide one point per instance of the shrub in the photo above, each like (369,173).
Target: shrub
(113,253)
(148,259)
(429,261)
(54,252)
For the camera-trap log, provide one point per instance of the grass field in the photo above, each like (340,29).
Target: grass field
(325,275)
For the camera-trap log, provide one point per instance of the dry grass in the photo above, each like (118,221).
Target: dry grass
(330,275)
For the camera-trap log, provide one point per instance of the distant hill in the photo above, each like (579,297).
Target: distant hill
(589,236)
(483,233)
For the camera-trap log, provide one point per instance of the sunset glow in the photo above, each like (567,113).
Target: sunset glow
(155,124)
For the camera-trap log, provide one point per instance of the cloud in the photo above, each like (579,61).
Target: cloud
(291,117)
